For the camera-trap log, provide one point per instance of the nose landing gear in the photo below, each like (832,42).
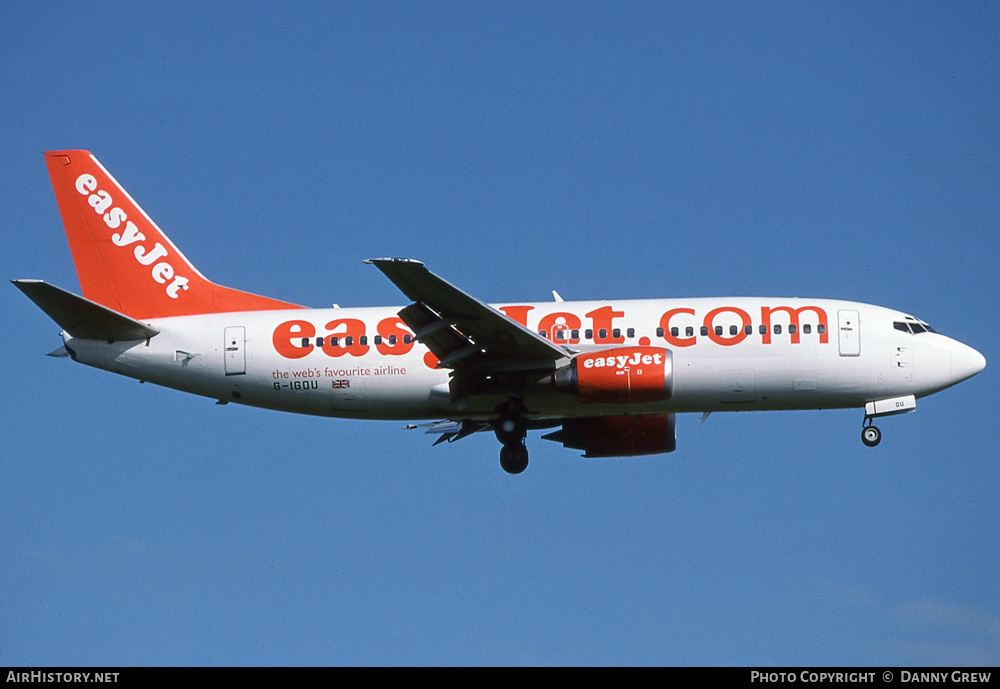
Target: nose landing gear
(870,435)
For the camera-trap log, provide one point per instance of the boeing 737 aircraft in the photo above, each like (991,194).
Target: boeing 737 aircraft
(607,376)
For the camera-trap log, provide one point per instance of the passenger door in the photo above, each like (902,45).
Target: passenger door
(235,350)
(849,332)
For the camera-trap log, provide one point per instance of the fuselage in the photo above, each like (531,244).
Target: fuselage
(728,354)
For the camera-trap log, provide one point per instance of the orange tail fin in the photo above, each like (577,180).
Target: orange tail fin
(123,260)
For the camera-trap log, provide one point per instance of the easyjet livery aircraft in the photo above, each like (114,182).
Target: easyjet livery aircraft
(605,377)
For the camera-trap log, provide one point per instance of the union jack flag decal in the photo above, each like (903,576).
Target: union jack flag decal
(341,384)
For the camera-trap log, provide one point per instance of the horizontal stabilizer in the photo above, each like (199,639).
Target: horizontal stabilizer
(81,317)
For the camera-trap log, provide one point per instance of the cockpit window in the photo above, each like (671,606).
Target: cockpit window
(913,326)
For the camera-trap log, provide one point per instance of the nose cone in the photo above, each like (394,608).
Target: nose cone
(965,362)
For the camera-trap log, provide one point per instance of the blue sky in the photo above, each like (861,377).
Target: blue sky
(606,150)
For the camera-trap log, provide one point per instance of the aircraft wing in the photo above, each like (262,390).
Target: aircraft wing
(464,333)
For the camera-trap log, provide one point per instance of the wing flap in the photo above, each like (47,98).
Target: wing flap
(449,431)
(433,331)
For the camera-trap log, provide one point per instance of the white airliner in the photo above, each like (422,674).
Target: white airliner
(608,376)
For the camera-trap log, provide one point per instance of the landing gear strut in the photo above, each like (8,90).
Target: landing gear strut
(870,435)
(511,431)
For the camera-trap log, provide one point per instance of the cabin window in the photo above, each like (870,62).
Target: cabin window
(363,340)
(407,339)
(807,328)
(659,332)
(748,330)
(630,332)
(792,329)
(602,333)
(305,341)
(392,339)
(349,340)
(675,331)
(777,330)
(616,333)
(733,329)
(319,341)
(718,330)
(574,334)
(762,329)
(689,331)
(821,328)
(334,340)
(704,330)
(378,339)
(543,333)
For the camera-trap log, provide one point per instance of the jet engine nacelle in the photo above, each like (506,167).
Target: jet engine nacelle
(622,375)
(619,436)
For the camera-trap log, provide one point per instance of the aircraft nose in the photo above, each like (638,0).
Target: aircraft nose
(965,362)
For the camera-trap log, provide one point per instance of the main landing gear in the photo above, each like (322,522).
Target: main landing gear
(511,431)
(870,435)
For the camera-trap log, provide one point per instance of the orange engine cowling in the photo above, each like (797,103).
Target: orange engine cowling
(619,436)
(622,375)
